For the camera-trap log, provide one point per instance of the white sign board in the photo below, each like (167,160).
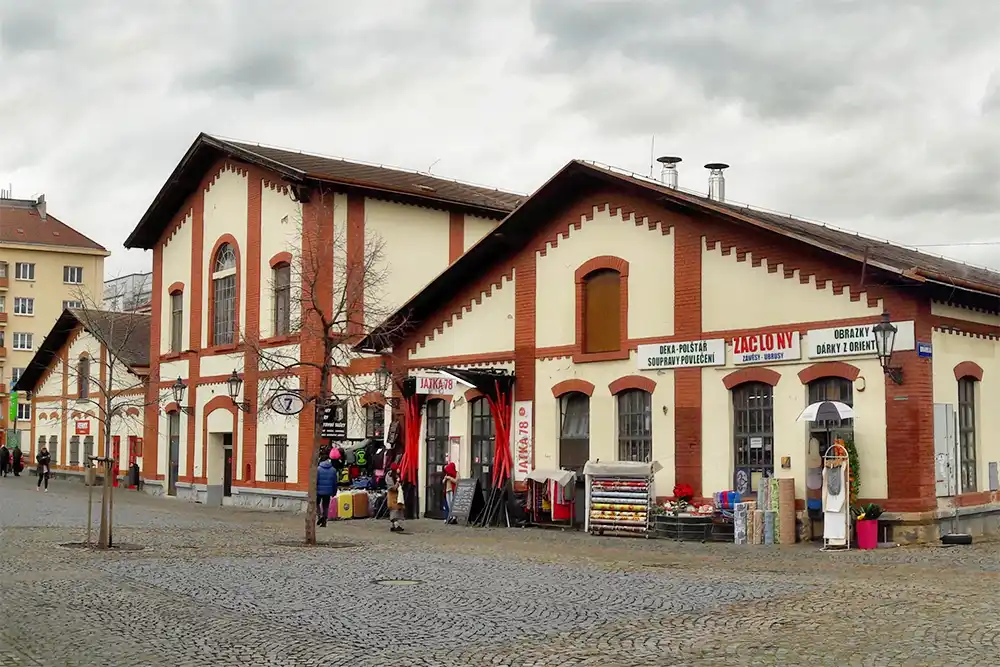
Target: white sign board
(688,354)
(762,348)
(855,341)
(286,403)
(428,383)
(523,442)
(756,443)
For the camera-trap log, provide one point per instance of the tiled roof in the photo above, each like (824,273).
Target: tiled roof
(20,222)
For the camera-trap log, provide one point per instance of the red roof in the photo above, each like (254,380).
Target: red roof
(20,222)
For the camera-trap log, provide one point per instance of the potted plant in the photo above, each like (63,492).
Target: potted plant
(866,523)
(684,494)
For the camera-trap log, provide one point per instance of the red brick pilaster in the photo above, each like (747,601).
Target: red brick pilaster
(456,235)
(254,288)
(150,416)
(355,264)
(197,306)
(687,381)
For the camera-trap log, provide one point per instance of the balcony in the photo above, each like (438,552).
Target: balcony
(4,273)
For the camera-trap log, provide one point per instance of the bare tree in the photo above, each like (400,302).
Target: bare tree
(330,300)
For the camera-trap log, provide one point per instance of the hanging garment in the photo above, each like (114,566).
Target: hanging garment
(835,505)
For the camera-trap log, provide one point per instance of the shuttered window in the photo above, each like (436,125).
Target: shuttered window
(602,311)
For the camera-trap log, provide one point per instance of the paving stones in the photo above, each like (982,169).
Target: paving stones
(213,586)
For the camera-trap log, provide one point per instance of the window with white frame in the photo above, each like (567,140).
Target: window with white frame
(24,411)
(282,300)
(1,339)
(3,304)
(24,271)
(73,275)
(176,321)
(22,340)
(15,375)
(24,305)
(224,296)
(72,303)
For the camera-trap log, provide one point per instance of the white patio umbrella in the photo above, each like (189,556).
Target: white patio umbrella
(826,411)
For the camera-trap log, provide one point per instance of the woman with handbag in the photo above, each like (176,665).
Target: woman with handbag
(394,498)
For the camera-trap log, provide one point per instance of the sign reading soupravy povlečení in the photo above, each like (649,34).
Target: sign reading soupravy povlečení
(686,354)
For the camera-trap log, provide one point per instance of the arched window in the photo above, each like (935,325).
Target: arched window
(753,430)
(831,389)
(967,433)
(483,441)
(224,295)
(83,377)
(602,307)
(635,425)
(437,455)
(574,431)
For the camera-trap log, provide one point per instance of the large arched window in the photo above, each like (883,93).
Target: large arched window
(574,431)
(224,295)
(635,425)
(753,430)
(602,307)
(967,433)
(483,441)
(831,389)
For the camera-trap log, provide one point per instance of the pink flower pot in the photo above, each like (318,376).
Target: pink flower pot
(867,533)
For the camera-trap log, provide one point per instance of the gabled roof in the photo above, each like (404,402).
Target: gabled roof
(21,223)
(304,169)
(126,335)
(517,229)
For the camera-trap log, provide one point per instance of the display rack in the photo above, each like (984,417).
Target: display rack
(837,508)
(619,497)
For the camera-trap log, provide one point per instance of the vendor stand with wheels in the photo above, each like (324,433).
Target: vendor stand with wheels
(551,497)
(619,496)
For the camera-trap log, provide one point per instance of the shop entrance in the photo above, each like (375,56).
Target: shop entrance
(822,436)
(436,458)
(173,452)
(483,442)
(227,471)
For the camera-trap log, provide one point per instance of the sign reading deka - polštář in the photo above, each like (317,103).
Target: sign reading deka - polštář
(688,354)
(856,340)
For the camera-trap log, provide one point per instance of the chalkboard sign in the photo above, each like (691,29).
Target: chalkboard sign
(467,503)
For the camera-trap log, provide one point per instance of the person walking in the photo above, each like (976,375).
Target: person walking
(326,487)
(16,461)
(394,498)
(43,460)
(4,460)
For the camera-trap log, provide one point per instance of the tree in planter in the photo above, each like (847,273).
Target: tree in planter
(329,296)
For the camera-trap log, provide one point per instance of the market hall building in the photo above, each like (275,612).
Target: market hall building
(642,322)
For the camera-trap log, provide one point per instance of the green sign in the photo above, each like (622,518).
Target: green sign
(13,439)
(12,415)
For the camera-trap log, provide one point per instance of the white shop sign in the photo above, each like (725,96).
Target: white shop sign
(855,341)
(435,384)
(688,354)
(762,348)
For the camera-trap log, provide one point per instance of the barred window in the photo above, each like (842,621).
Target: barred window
(74,450)
(276,458)
(374,421)
(635,425)
(967,433)
(224,296)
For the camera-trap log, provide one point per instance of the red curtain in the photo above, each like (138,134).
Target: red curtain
(502,461)
(411,440)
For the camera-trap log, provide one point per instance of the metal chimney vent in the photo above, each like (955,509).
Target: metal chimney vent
(668,175)
(716,181)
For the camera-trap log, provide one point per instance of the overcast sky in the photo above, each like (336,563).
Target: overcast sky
(881,116)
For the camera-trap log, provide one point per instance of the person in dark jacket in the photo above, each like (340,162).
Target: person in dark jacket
(4,460)
(43,459)
(16,463)
(326,487)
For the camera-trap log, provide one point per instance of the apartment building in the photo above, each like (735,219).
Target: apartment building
(46,266)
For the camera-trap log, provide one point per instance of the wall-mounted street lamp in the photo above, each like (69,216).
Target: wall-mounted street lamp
(235,383)
(179,388)
(885,342)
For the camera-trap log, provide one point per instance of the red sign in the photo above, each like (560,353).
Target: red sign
(82,426)
(435,384)
(761,348)
(522,439)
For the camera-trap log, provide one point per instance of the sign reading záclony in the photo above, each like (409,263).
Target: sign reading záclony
(688,354)
(855,341)
(522,440)
(434,384)
(766,347)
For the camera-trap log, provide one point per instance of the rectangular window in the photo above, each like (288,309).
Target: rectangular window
(73,275)
(24,305)
(72,304)
(3,304)
(22,340)
(83,377)
(15,375)
(224,320)
(276,458)
(282,300)
(967,433)
(374,421)
(635,426)
(3,269)
(74,450)
(176,322)
(24,411)
(24,271)
(1,339)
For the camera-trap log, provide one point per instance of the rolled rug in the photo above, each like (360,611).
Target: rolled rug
(758,526)
(786,511)
(770,519)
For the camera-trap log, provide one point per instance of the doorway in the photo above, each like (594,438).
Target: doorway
(437,455)
(173,452)
(483,442)
(227,471)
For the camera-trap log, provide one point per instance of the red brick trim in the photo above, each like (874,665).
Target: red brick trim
(969,369)
(632,382)
(231,240)
(456,235)
(132,412)
(372,398)
(172,406)
(355,288)
(473,394)
(281,258)
(744,375)
(175,288)
(612,263)
(572,386)
(829,369)
(440,397)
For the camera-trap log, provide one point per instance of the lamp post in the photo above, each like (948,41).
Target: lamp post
(179,388)
(885,341)
(235,383)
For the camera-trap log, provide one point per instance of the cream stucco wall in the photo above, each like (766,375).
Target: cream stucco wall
(225,213)
(475,229)
(486,326)
(280,231)
(650,254)
(739,295)
(176,269)
(951,349)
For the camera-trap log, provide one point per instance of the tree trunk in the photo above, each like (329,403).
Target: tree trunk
(313,470)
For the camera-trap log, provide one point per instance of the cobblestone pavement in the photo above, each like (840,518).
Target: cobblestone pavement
(213,587)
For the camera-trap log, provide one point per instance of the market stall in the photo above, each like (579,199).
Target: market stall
(619,496)
(551,497)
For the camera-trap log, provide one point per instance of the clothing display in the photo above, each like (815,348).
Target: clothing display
(835,506)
